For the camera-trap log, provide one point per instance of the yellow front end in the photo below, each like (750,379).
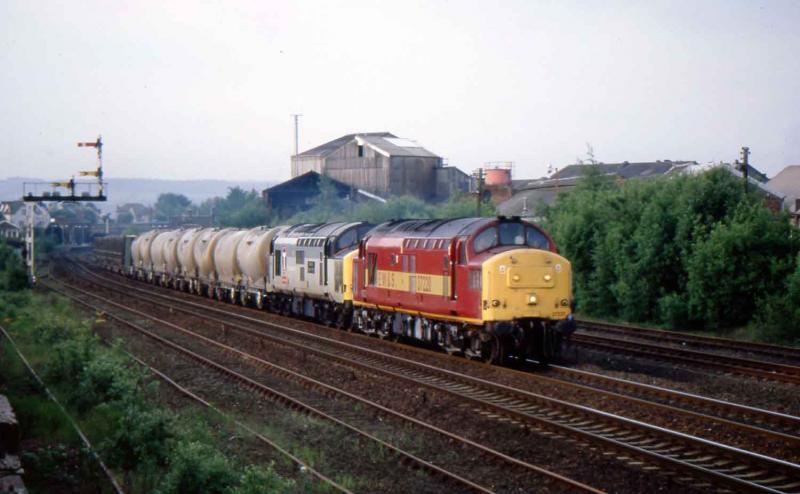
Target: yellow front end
(526,284)
(347,276)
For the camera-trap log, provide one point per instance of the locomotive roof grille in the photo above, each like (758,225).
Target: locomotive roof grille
(431,228)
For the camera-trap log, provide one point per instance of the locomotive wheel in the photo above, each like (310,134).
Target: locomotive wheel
(491,351)
(259,302)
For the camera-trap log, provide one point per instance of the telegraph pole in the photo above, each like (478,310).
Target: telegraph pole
(296,133)
(745,153)
(479,177)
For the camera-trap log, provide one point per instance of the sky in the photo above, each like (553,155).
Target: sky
(186,90)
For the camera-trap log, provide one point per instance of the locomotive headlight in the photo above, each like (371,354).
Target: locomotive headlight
(495,303)
(564,302)
(547,277)
(532,299)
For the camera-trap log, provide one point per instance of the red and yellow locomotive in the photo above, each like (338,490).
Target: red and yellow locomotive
(489,288)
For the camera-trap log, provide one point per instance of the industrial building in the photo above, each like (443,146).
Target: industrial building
(383,164)
(301,193)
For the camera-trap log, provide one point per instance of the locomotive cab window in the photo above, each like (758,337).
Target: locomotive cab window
(348,239)
(512,234)
(485,240)
(536,239)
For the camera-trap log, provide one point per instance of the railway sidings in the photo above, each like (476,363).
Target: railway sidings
(661,433)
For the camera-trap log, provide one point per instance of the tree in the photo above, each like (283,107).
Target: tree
(125,218)
(169,205)
(689,250)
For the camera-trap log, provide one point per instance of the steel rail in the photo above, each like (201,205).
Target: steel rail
(189,394)
(572,420)
(735,365)
(84,439)
(700,340)
(789,425)
(332,390)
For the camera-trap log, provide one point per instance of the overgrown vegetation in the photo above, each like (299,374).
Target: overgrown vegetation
(684,252)
(116,404)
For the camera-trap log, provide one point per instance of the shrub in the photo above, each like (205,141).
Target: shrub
(141,437)
(262,480)
(681,251)
(103,379)
(69,359)
(196,467)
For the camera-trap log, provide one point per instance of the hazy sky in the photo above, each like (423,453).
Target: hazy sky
(205,90)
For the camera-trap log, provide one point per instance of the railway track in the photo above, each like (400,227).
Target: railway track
(773,424)
(706,463)
(726,364)
(788,354)
(406,457)
(754,420)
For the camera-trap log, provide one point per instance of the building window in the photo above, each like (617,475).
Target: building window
(360,151)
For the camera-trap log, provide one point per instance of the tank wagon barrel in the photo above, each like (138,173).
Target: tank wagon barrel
(487,288)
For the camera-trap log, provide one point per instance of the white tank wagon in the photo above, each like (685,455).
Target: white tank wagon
(136,256)
(226,266)
(185,252)
(146,254)
(252,254)
(160,249)
(164,252)
(204,257)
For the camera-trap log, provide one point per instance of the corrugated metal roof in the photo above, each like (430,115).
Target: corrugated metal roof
(385,142)
(331,146)
(430,228)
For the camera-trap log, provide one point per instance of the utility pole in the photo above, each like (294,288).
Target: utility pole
(479,177)
(745,153)
(296,133)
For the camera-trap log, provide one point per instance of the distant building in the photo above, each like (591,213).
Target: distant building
(138,212)
(530,194)
(300,193)
(383,164)
(15,212)
(10,231)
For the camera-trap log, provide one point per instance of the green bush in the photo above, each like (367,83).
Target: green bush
(262,480)
(683,251)
(69,359)
(197,467)
(778,316)
(104,378)
(141,438)
(13,275)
